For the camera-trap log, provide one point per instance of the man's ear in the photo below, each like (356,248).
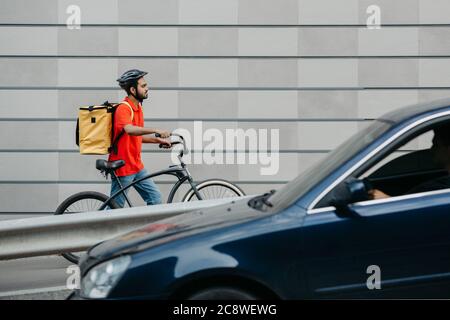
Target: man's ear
(133,90)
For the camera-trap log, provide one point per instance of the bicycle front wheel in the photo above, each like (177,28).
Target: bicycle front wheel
(214,189)
(82,202)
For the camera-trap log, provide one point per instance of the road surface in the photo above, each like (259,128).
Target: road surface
(41,278)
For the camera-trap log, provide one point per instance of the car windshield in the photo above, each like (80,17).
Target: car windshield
(289,193)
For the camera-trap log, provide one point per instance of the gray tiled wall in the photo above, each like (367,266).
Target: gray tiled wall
(309,68)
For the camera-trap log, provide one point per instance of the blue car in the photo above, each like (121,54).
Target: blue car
(371,220)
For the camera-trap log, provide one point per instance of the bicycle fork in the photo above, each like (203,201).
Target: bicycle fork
(191,182)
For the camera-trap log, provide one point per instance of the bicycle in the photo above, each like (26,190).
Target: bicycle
(96,201)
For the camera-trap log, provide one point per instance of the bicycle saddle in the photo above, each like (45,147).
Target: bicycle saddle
(104,165)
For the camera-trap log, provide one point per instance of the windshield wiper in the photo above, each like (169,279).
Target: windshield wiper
(258,201)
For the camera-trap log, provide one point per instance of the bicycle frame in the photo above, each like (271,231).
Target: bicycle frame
(182,174)
(179,171)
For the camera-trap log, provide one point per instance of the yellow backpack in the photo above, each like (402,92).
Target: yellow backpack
(95,128)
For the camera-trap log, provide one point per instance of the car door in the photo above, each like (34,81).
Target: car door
(406,239)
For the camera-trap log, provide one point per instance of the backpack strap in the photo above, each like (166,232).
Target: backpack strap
(113,147)
(131,109)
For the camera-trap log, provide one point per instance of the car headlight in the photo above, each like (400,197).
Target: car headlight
(99,281)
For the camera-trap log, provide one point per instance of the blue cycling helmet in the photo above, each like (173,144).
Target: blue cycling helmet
(130,77)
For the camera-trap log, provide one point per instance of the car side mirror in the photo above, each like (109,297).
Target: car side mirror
(350,191)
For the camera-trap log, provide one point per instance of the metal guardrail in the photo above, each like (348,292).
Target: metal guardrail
(70,233)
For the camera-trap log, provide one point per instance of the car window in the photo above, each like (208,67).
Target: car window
(406,168)
(306,180)
(404,159)
(421,164)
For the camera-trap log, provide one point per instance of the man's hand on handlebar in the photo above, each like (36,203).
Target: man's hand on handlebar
(162,134)
(164,143)
(167,144)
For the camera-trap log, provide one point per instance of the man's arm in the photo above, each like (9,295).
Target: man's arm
(140,131)
(151,139)
(376,194)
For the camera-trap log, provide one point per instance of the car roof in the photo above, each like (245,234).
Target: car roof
(412,111)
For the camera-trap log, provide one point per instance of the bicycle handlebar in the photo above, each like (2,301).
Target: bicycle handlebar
(175,142)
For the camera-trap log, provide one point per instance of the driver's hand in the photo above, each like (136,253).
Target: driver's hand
(164,134)
(376,194)
(166,144)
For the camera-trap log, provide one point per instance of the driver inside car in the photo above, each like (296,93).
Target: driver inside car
(441,155)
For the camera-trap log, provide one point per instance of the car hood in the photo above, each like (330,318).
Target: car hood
(179,226)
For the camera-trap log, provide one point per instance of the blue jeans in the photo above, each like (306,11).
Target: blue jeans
(146,188)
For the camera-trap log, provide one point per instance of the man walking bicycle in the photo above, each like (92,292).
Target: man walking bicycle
(129,124)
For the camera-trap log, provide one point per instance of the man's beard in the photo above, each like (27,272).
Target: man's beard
(141,97)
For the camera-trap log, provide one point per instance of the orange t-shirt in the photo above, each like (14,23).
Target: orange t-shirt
(128,147)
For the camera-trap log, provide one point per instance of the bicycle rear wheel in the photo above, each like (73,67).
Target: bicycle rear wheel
(82,202)
(214,189)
